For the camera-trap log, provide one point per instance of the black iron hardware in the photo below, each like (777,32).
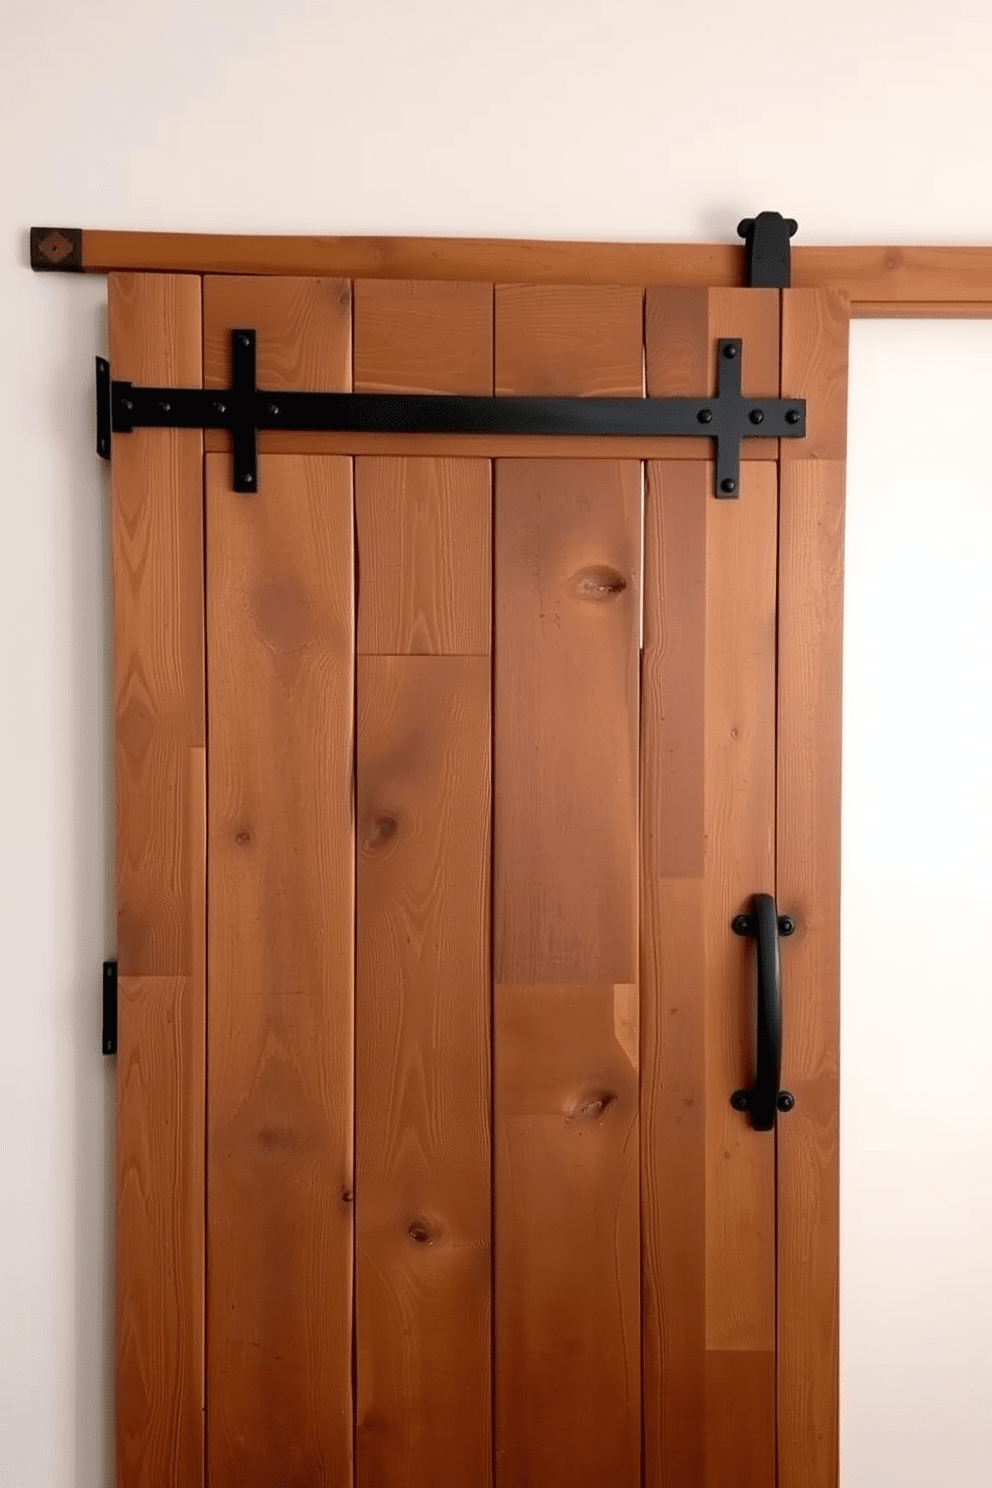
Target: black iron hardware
(762,1099)
(244,409)
(767,256)
(57,250)
(110,1007)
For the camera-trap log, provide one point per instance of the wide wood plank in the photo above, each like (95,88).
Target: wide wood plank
(707,726)
(565,1017)
(423,336)
(567,1304)
(425,556)
(157,522)
(811,565)
(303,326)
(567,585)
(569,339)
(280,1028)
(423,1087)
(681,330)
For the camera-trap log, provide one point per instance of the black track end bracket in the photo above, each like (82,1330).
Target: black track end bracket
(110,1007)
(767,256)
(57,250)
(103,408)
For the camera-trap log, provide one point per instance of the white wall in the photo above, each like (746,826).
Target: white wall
(633,118)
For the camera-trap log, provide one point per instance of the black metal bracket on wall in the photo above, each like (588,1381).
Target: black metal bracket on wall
(767,255)
(243,409)
(110,1007)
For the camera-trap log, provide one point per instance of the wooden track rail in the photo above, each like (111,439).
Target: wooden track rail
(915,282)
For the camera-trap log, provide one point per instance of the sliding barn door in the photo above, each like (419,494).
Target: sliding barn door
(443,766)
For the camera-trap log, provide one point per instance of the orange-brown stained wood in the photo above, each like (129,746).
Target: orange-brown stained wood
(567,539)
(916,280)
(815,326)
(567,1289)
(423,1186)
(425,556)
(281,923)
(811,561)
(157,519)
(569,339)
(707,722)
(423,336)
(681,330)
(303,327)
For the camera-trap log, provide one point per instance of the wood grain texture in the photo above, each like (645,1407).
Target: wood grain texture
(567,1304)
(811,561)
(565,1021)
(303,330)
(928,280)
(567,538)
(423,336)
(424,556)
(681,330)
(423,1216)
(157,525)
(707,1179)
(478,446)
(572,339)
(280,1026)
(814,366)
(157,521)
(809,888)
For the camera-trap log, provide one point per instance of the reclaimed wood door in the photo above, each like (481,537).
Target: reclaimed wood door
(443,766)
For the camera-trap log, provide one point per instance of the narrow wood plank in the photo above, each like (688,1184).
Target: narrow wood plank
(156,481)
(424,556)
(280,1028)
(423,336)
(157,520)
(303,330)
(159,1232)
(423,1086)
(814,366)
(565,1021)
(681,330)
(925,278)
(567,1320)
(809,750)
(811,577)
(569,339)
(707,1179)
(567,584)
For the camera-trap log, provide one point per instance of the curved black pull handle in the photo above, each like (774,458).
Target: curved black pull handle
(762,1099)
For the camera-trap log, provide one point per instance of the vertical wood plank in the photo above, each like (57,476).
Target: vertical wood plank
(707,1178)
(303,330)
(423,1107)
(682,327)
(565,1017)
(567,586)
(424,1278)
(280,627)
(424,545)
(554,338)
(157,524)
(814,362)
(421,336)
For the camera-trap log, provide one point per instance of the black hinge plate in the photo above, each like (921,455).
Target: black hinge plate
(110,1007)
(244,409)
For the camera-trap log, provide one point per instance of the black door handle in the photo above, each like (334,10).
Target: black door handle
(762,1099)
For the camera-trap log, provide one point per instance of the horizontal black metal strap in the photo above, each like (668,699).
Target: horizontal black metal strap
(243,409)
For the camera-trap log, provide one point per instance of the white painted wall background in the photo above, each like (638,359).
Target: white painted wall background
(868,120)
